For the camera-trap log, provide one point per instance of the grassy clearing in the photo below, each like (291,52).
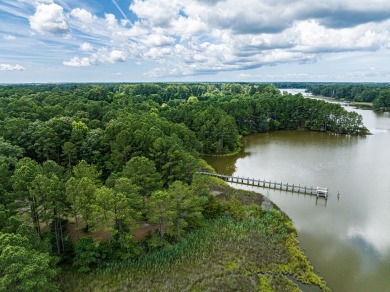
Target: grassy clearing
(258,253)
(361,104)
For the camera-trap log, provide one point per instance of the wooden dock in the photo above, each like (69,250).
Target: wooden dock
(318,191)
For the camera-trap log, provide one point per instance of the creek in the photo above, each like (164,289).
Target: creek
(347,238)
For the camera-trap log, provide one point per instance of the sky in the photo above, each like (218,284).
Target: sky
(194,41)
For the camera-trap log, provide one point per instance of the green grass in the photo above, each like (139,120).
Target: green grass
(259,253)
(361,104)
(238,150)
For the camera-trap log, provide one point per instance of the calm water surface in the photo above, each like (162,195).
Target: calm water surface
(346,239)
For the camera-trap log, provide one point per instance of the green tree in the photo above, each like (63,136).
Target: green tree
(6,170)
(69,152)
(62,127)
(192,99)
(23,268)
(15,131)
(217,130)
(9,151)
(104,208)
(161,212)
(115,210)
(85,170)
(78,134)
(382,101)
(45,142)
(4,215)
(187,210)
(86,254)
(128,203)
(93,150)
(80,193)
(142,172)
(49,190)
(25,173)
(180,166)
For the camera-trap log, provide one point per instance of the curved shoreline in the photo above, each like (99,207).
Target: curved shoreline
(261,251)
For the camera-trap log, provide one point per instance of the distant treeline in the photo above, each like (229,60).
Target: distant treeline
(378,94)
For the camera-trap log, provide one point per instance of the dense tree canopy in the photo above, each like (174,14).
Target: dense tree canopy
(82,166)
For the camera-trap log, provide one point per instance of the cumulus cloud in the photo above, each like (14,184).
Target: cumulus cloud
(158,12)
(312,37)
(9,67)
(78,62)
(49,19)
(83,15)
(349,13)
(157,40)
(86,47)
(192,37)
(209,36)
(103,56)
(111,21)
(253,16)
(116,56)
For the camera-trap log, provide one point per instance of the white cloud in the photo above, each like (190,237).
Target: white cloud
(210,36)
(125,22)
(312,37)
(157,40)
(86,47)
(9,67)
(194,37)
(158,53)
(116,56)
(78,62)
(183,25)
(9,37)
(103,56)
(111,21)
(49,19)
(83,15)
(158,12)
(253,16)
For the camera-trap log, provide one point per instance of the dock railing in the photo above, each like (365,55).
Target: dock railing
(318,191)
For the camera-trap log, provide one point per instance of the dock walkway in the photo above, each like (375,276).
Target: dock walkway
(318,191)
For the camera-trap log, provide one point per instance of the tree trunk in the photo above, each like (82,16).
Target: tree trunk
(77,226)
(161,228)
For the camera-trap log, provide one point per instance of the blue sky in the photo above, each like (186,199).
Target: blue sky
(194,40)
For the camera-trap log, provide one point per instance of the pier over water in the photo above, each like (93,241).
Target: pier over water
(318,191)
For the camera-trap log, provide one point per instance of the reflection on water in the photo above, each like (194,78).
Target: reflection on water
(229,165)
(346,238)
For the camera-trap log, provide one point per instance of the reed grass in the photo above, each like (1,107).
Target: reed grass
(259,253)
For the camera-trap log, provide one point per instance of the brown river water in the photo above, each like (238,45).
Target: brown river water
(347,239)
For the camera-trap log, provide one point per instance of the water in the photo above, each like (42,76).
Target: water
(347,238)
(296,91)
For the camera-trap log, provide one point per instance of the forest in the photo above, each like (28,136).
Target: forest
(96,176)
(376,93)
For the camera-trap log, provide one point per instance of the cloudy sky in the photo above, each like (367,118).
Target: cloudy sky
(194,40)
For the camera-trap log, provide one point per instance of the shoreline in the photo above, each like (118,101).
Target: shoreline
(258,251)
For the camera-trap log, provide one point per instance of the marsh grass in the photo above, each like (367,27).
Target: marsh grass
(259,253)
(362,104)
